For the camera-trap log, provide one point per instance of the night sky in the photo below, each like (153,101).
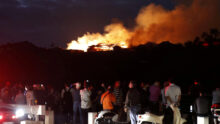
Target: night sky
(57,22)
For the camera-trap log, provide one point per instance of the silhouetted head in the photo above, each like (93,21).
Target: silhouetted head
(20,91)
(66,86)
(166,83)
(78,85)
(132,84)
(157,83)
(142,84)
(202,92)
(102,84)
(109,88)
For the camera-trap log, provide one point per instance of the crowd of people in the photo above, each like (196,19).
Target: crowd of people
(77,99)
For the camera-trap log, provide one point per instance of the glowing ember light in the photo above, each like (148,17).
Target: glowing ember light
(115,35)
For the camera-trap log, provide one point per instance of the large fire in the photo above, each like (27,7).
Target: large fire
(156,24)
(115,35)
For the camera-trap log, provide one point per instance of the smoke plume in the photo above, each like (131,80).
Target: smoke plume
(154,23)
(157,24)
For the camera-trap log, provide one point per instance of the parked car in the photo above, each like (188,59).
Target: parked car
(10,114)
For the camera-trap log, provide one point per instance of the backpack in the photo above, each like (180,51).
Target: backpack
(134,97)
(67,97)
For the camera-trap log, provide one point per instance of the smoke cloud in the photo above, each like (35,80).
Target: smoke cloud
(157,24)
(154,23)
(185,22)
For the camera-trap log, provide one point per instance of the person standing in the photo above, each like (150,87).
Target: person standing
(30,96)
(202,105)
(216,96)
(67,102)
(118,95)
(164,101)
(20,98)
(133,102)
(173,97)
(144,88)
(154,97)
(173,94)
(76,102)
(108,99)
(85,103)
(6,93)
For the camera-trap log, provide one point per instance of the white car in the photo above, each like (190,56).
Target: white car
(10,114)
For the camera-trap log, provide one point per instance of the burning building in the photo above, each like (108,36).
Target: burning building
(156,24)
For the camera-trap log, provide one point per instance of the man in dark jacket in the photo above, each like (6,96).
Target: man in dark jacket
(133,102)
(202,105)
(77,103)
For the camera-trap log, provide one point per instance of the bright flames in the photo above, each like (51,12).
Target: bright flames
(156,24)
(115,35)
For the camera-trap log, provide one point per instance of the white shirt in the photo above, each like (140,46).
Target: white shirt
(173,91)
(85,98)
(29,97)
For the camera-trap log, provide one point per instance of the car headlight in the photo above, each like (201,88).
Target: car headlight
(19,113)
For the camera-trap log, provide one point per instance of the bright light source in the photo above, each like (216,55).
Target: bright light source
(19,113)
(202,120)
(191,108)
(13,117)
(1,117)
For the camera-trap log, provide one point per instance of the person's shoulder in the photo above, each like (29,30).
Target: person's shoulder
(178,87)
(175,86)
(105,93)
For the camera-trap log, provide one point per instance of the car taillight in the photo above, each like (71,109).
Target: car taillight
(1,117)
(13,117)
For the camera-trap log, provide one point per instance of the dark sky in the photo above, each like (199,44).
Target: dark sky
(44,22)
